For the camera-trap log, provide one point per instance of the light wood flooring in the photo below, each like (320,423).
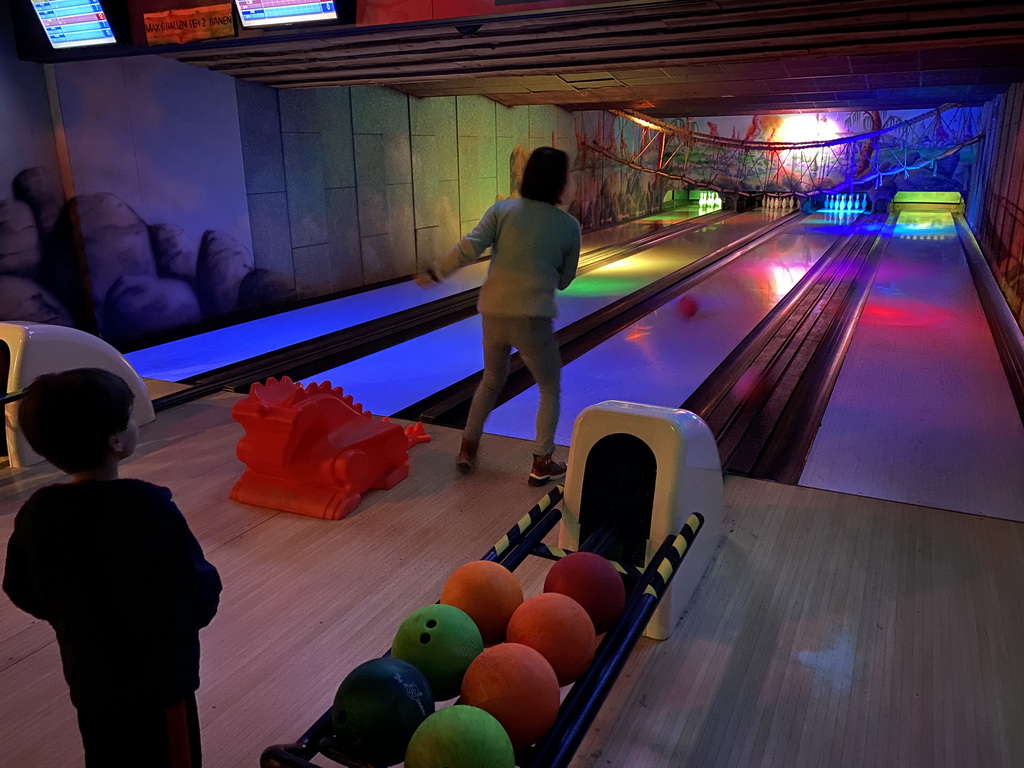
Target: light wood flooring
(832,630)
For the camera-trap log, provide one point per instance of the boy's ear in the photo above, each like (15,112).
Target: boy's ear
(117,444)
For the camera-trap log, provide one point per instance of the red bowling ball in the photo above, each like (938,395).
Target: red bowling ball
(687,307)
(592,582)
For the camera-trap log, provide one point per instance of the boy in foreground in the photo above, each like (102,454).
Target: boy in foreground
(112,565)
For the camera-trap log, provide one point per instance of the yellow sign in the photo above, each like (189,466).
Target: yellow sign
(186,25)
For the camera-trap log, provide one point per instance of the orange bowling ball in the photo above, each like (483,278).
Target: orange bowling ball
(593,582)
(560,629)
(488,592)
(518,687)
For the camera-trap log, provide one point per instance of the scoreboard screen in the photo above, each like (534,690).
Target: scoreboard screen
(74,23)
(263,13)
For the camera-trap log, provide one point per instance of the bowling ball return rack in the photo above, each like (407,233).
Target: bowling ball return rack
(644,589)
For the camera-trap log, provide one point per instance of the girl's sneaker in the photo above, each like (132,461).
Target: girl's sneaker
(545,470)
(467,456)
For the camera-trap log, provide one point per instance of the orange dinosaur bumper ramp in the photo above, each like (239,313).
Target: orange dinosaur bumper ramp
(313,451)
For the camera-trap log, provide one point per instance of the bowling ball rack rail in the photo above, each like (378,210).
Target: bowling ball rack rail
(581,705)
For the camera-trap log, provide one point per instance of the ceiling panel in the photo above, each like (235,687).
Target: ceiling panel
(687,58)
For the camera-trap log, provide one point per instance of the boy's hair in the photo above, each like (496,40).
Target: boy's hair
(545,175)
(69,417)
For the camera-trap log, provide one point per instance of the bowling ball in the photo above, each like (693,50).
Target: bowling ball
(687,307)
(488,592)
(440,641)
(592,582)
(460,736)
(560,629)
(377,709)
(752,387)
(517,685)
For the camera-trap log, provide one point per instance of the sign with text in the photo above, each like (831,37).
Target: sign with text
(186,25)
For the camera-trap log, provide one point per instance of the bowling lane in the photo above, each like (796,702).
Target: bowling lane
(394,378)
(921,412)
(191,356)
(662,358)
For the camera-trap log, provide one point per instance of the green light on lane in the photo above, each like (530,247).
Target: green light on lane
(672,217)
(915,196)
(594,286)
(919,224)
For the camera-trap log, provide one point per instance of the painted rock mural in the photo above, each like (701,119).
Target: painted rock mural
(140,278)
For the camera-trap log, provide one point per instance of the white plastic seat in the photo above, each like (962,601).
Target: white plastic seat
(35,349)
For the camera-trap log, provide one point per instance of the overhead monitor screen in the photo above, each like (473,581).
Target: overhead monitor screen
(74,23)
(262,13)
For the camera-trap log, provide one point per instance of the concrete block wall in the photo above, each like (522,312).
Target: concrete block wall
(349,187)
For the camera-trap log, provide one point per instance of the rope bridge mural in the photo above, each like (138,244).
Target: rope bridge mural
(794,155)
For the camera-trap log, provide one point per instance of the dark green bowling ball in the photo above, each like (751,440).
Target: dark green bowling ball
(377,709)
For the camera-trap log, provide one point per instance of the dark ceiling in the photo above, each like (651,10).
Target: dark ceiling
(682,58)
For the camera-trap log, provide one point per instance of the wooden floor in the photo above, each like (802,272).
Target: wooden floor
(832,630)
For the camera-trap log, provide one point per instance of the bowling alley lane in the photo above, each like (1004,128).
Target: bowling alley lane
(922,412)
(663,357)
(394,378)
(197,354)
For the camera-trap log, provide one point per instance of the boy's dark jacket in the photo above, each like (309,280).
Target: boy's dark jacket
(113,566)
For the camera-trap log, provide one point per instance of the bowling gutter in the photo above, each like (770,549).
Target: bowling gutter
(794,354)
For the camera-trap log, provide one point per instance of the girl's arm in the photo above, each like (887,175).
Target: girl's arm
(468,249)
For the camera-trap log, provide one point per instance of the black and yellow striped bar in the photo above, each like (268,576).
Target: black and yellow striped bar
(557,553)
(674,555)
(557,748)
(520,529)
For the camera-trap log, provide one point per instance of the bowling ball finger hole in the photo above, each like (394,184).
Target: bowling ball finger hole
(431,624)
(425,638)
(341,717)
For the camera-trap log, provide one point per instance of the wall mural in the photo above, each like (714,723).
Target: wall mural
(609,191)
(155,242)
(26,220)
(799,155)
(606,192)
(141,278)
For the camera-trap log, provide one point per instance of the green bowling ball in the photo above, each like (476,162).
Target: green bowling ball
(460,737)
(440,641)
(377,709)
